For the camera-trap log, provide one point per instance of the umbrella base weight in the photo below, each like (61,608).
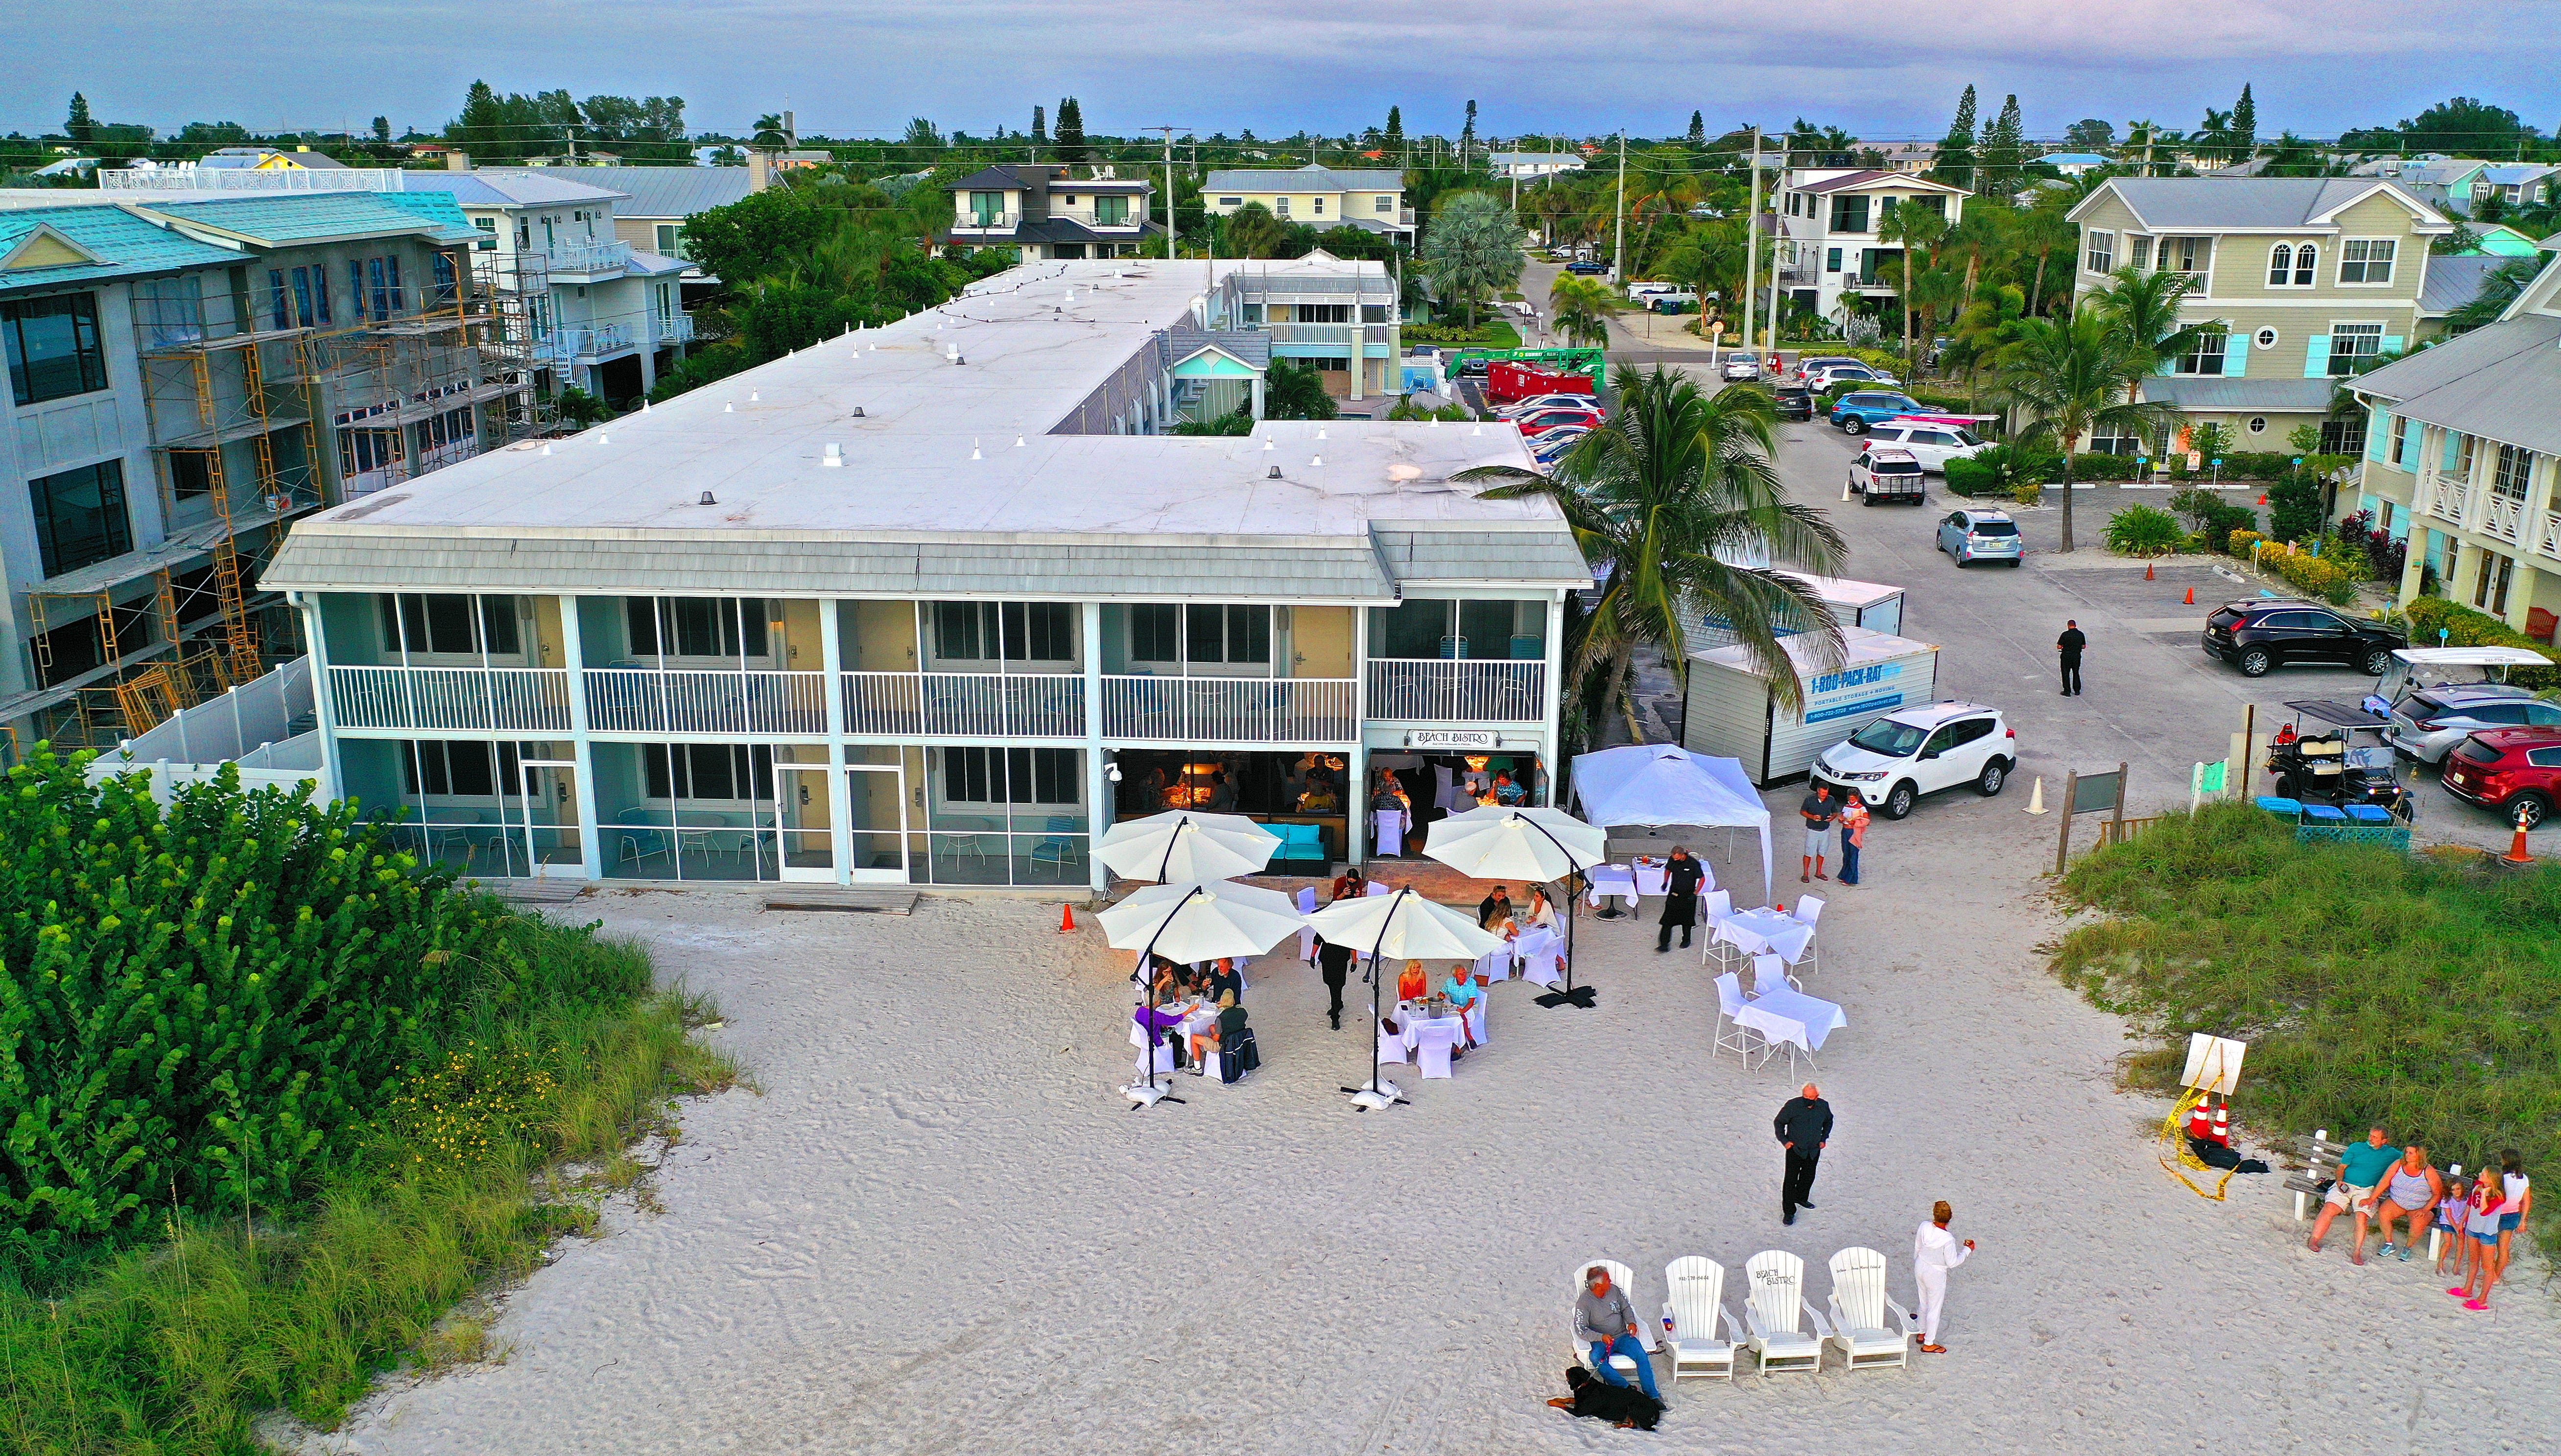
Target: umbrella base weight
(1581,997)
(1143,1095)
(1375,1095)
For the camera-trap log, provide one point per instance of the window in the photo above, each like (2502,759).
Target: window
(1831,259)
(364,450)
(1111,211)
(81,517)
(491,227)
(2346,437)
(986,206)
(1280,207)
(2258,425)
(445,623)
(302,296)
(2207,356)
(2185,255)
(448,284)
(1318,206)
(1849,213)
(391,266)
(2138,252)
(2367,260)
(2403,444)
(1231,202)
(2281,265)
(276,308)
(2306,261)
(1227,634)
(2514,470)
(1374,313)
(2353,347)
(671,239)
(2466,450)
(53,347)
(2490,585)
(695,626)
(2100,255)
(1330,365)
(728,771)
(2265,338)
(465,770)
(1010,776)
(1153,634)
(1015,631)
(1387,202)
(376,289)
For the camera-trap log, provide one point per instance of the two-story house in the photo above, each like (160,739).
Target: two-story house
(1372,200)
(2461,451)
(935,603)
(2298,283)
(1832,260)
(1335,316)
(189,371)
(1044,213)
(1525,166)
(655,202)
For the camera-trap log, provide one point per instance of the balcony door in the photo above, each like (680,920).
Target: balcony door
(543,824)
(801,822)
(876,819)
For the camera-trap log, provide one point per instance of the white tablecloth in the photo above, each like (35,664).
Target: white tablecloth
(1651,876)
(1765,930)
(1413,1029)
(1611,880)
(1783,1015)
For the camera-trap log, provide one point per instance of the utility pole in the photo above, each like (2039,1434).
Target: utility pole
(1619,220)
(1751,240)
(1778,222)
(1169,192)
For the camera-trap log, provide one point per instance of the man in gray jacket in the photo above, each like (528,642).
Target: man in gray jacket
(1606,1319)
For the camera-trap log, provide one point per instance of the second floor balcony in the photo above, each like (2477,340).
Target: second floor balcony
(1475,689)
(588,258)
(569,345)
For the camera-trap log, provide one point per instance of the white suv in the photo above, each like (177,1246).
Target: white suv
(1932,443)
(1912,752)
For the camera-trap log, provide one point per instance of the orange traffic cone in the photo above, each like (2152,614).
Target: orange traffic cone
(2263,499)
(2191,597)
(1067,919)
(2147,570)
(2516,854)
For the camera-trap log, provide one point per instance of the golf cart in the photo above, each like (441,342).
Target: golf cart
(2331,766)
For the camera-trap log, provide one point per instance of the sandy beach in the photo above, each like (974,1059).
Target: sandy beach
(938,1230)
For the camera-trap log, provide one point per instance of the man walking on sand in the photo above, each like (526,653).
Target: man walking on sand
(1934,1253)
(1803,1126)
(2070,645)
(1819,812)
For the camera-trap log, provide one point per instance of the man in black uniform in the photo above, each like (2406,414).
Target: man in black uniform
(2070,645)
(1804,1125)
(1335,964)
(1681,878)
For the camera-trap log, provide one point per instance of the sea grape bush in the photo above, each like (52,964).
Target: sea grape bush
(202,1004)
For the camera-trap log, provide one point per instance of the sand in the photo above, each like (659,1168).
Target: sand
(938,1230)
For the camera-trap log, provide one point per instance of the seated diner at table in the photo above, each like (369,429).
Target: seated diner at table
(1540,915)
(1225,980)
(1506,793)
(1230,1017)
(1411,982)
(1494,908)
(1461,992)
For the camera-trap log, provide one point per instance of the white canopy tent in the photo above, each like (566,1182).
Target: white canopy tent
(1659,783)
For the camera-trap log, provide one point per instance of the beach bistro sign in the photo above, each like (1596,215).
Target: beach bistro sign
(1454,739)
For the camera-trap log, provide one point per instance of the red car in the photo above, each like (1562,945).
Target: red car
(1546,420)
(2515,771)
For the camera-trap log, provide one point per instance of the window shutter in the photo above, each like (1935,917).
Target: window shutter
(2392,343)
(2316,357)
(2409,444)
(2236,355)
(2166,366)
(2454,452)
(2378,426)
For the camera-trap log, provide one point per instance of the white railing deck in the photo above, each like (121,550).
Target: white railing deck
(965,704)
(1475,690)
(705,701)
(494,698)
(1230,709)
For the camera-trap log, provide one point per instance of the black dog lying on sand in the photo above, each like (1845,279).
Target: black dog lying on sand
(1622,1405)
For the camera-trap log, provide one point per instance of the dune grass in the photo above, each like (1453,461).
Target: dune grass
(176,1346)
(2417,992)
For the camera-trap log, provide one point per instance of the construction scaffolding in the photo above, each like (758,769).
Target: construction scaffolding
(239,387)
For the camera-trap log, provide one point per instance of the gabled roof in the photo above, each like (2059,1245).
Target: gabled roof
(1866,177)
(507,189)
(2511,174)
(2251,204)
(2502,382)
(1011,175)
(276,219)
(1249,347)
(2455,281)
(1309,178)
(119,245)
(658,191)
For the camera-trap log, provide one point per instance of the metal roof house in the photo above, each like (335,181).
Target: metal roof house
(936,602)
(1370,199)
(1042,212)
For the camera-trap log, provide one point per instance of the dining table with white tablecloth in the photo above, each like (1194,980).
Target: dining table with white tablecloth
(1785,1017)
(1766,932)
(1611,882)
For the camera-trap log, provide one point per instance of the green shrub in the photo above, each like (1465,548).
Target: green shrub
(2294,507)
(2332,579)
(2029,492)
(2465,627)
(2211,516)
(2144,531)
(1996,469)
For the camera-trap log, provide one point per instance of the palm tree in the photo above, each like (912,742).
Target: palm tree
(1916,228)
(1472,249)
(2146,307)
(1579,308)
(1665,497)
(2042,232)
(2075,377)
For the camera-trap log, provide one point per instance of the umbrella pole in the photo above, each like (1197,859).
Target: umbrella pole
(1376,971)
(1140,976)
(1570,996)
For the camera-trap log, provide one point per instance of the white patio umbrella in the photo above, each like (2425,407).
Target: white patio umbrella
(1525,844)
(1399,927)
(1191,921)
(1183,847)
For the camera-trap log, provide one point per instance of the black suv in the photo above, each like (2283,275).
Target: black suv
(1795,402)
(2254,636)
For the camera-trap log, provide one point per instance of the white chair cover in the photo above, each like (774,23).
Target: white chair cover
(1164,1060)
(1391,1048)
(1306,937)
(1495,965)
(1432,1050)
(1476,1015)
(1542,968)
(1391,831)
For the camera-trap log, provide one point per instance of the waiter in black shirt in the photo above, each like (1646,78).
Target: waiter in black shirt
(1803,1126)
(1681,877)
(2070,645)
(1335,964)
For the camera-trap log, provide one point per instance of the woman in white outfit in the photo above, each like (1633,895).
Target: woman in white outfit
(1934,1253)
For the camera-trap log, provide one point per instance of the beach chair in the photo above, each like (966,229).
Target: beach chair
(1432,1044)
(1621,1277)
(1775,1314)
(1810,909)
(1695,1318)
(1860,1307)
(1391,1047)
(1731,1034)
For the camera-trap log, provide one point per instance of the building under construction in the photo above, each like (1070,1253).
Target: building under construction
(190,372)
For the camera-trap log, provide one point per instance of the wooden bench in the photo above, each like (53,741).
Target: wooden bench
(2320,1166)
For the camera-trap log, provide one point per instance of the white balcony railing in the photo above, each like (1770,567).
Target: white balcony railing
(598,255)
(684,701)
(1130,220)
(1230,709)
(494,700)
(570,345)
(1428,690)
(673,328)
(986,222)
(2550,543)
(965,704)
(2502,516)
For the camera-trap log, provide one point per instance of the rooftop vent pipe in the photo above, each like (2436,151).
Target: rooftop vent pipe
(835,454)
(707,500)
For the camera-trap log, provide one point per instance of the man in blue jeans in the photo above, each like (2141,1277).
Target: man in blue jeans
(1606,1320)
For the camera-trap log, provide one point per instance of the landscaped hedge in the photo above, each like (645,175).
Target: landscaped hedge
(2465,627)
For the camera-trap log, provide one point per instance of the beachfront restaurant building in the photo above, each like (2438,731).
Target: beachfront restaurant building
(937,603)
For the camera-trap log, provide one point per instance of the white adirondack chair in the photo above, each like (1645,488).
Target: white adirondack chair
(1697,1317)
(1775,1314)
(1621,1277)
(1860,1308)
